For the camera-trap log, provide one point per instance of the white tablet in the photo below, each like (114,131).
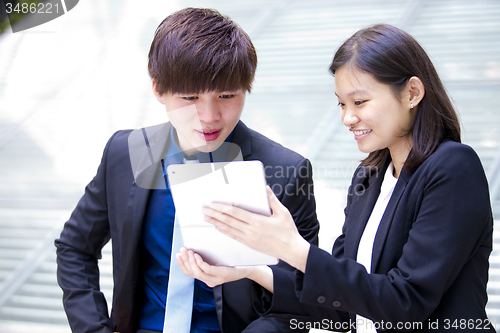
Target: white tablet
(239,183)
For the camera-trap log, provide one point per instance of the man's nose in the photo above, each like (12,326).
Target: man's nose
(209,111)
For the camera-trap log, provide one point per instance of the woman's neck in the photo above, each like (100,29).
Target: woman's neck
(399,156)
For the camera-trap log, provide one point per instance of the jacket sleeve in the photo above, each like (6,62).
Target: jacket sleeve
(298,197)
(450,225)
(78,250)
(285,298)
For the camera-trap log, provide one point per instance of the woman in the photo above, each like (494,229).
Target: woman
(413,254)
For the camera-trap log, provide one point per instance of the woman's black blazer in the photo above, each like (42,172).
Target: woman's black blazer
(430,255)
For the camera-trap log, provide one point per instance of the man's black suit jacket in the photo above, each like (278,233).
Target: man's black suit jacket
(113,207)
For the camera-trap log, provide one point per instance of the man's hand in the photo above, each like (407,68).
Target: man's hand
(193,265)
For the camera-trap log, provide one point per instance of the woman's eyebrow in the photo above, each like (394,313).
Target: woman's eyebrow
(355,92)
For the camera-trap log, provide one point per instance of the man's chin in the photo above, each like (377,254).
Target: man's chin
(209,147)
(212,146)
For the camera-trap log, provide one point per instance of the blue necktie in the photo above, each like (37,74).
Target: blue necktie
(179,304)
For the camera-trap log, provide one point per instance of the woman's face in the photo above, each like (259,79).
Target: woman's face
(376,117)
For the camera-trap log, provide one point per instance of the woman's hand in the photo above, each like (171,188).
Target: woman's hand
(193,265)
(275,235)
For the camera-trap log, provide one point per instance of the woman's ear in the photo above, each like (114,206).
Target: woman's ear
(416,91)
(158,96)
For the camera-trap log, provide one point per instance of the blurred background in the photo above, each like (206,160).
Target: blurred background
(66,86)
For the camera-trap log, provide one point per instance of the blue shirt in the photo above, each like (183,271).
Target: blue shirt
(156,254)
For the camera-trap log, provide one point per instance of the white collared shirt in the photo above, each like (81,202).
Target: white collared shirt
(365,248)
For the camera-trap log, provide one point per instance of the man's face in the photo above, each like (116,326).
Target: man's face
(203,120)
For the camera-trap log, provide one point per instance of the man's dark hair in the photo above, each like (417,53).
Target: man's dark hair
(196,50)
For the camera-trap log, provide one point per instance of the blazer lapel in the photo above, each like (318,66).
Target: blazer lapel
(368,190)
(157,144)
(157,138)
(387,218)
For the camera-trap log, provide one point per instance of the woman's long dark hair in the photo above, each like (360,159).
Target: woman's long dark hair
(392,56)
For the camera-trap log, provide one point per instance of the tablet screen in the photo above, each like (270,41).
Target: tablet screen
(238,183)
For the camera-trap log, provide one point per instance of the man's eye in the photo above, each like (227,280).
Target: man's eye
(189,98)
(226,96)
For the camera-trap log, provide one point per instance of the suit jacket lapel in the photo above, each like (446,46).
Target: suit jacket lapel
(387,218)
(158,142)
(126,311)
(367,191)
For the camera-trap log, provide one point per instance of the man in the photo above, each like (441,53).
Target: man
(201,64)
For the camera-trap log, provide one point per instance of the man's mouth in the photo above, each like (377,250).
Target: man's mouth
(209,135)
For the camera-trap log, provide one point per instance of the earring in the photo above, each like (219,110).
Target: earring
(411,105)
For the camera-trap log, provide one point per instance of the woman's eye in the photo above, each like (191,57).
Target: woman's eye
(358,102)
(341,104)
